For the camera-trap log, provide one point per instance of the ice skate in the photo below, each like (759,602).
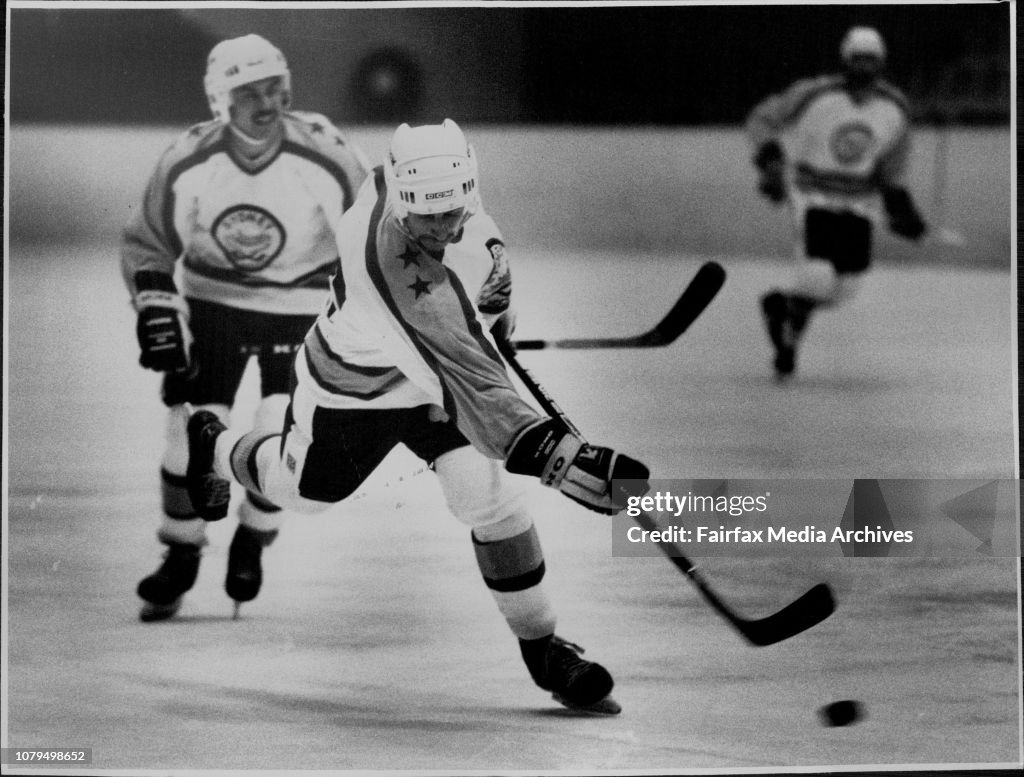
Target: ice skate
(245,572)
(164,590)
(209,492)
(555,665)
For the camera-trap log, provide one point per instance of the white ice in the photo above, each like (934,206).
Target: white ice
(374,645)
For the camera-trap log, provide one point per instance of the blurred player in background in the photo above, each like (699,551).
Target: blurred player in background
(403,352)
(835,148)
(248,203)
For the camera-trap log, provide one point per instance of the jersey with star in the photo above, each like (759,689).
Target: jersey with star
(403,327)
(837,146)
(251,235)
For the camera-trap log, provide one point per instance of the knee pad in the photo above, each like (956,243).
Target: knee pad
(818,280)
(479,491)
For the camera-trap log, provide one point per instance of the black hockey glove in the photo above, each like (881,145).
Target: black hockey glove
(770,164)
(598,478)
(165,339)
(904,218)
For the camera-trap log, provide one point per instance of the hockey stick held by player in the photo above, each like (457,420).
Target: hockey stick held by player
(804,612)
(403,353)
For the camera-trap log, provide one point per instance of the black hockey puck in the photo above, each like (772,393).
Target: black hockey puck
(841,713)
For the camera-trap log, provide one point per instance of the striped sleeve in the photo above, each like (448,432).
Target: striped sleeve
(149,240)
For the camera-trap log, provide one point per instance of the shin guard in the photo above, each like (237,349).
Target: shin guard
(513,569)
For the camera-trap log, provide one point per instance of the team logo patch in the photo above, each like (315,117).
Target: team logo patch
(851,142)
(497,249)
(250,237)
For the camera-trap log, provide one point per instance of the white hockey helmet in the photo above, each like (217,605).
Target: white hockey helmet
(862,40)
(239,61)
(431,169)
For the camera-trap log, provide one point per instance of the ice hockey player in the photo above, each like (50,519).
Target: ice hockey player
(403,352)
(243,210)
(835,148)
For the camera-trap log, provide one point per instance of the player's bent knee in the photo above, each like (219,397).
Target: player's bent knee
(817,279)
(478,490)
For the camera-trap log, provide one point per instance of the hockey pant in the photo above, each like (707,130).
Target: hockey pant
(833,250)
(325,454)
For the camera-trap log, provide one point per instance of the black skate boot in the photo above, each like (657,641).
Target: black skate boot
(164,590)
(209,492)
(775,308)
(245,572)
(555,665)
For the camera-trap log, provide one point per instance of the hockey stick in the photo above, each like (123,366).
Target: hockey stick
(809,609)
(697,296)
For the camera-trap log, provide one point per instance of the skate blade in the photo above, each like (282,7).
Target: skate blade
(159,612)
(607,706)
(238,611)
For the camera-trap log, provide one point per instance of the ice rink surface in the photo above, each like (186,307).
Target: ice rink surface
(374,645)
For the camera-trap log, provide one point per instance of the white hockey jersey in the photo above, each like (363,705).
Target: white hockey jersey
(404,328)
(257,238)
(837,148)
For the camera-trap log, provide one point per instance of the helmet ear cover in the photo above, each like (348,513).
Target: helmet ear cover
(239,61)
(431,169)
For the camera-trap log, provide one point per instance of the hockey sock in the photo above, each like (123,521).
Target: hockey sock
(513,568)
(180,523)
(800,309)
(258,514)
(236,457)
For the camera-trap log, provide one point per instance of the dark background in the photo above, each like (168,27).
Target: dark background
(632,65)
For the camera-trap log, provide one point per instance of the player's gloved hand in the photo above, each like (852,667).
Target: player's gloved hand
(770,164)
(904,218)
(584,473)
(165,339)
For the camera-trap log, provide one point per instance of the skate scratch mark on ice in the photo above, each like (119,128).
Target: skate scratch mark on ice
(387,484)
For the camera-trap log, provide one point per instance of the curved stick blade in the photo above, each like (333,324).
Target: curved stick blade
(810,609)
